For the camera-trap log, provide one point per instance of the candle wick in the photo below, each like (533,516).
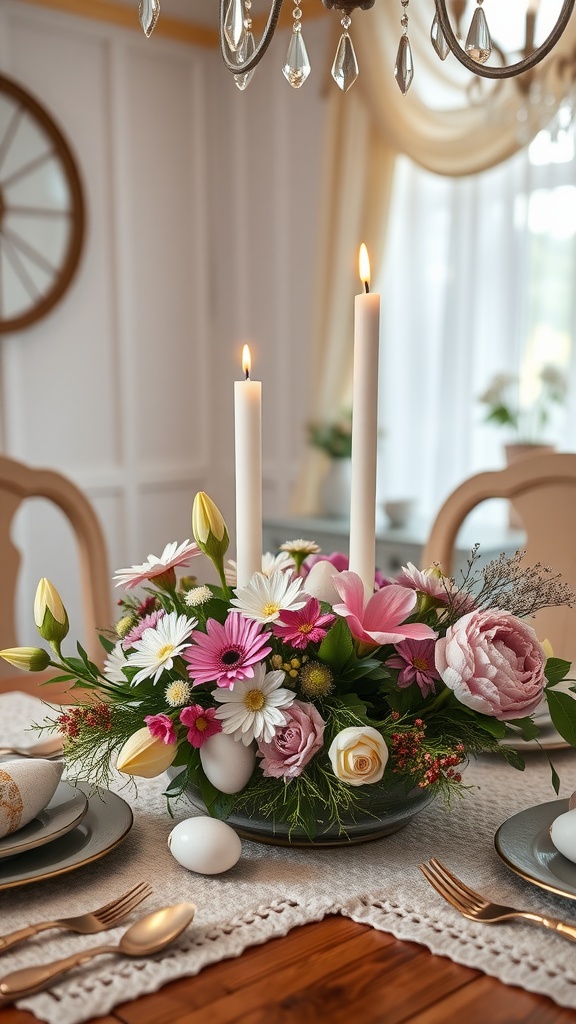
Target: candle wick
(366,287)
(247,375)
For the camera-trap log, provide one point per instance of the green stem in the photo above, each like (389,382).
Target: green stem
(438,702)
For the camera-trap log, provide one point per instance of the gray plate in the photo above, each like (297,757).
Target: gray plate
(548,739)
(523,842)
(106,823)
(65,810)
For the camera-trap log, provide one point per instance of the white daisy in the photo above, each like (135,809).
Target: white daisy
(270,563)
(114,663)
(155,652)
(307,547)
(155,565)
(264,598)
(251,711)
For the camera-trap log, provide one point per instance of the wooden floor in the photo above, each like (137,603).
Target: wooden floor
(336,972)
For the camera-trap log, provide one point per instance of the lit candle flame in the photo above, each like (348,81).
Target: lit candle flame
(246,361)
(364,264)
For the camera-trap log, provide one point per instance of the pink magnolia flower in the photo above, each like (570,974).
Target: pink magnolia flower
(227,652)
(161,727)
(303,627)
(293,744)
(415,659)
(137,631)
(494,663)
(381,620)
(201,723)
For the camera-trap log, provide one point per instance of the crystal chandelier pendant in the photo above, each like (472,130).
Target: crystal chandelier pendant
(297,66)
(439,39)
(148,12)
(345,66)
(404,69)
(478,42)
(234,30)
(243,80)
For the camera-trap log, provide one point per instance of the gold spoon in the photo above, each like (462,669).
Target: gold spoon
(148,935)
(53,747)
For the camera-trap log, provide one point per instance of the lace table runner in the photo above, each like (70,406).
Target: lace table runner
(271,890)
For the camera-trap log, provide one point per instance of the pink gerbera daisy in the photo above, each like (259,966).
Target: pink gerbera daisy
(201,723)
(415,659)
(303,627)
(227,651)
(137,631)
(159,568)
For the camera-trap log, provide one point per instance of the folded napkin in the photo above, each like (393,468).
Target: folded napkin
(26,787)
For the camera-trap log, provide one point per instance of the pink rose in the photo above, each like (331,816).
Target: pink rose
(161,727)
(494,663)
(294,743)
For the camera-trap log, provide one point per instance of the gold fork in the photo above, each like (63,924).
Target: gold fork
(99,920)
(475,907)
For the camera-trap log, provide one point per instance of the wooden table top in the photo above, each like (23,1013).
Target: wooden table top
(333,971)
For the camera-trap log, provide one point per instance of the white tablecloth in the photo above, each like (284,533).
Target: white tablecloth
(271,890)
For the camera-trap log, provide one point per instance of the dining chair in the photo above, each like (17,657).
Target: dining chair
(542,489)
(19,482)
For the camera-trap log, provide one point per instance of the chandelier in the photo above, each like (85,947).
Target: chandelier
(242,54)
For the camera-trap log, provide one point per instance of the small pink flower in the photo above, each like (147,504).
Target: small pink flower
(293,744)
(303,627)
(161,727)
(494,663)
(415,659)
(201,723)
(226,652)
(382,619)
(425,581)
(149,622)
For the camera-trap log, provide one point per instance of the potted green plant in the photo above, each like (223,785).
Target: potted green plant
(334,438)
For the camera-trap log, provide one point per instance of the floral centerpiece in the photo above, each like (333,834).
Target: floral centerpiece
(295,699)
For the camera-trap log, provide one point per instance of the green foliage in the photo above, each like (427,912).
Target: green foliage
(562,709)
(556,670)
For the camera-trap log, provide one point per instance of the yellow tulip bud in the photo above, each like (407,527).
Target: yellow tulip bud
(29,659)
(145,755)
(49,613)
(206,520)
(547,648)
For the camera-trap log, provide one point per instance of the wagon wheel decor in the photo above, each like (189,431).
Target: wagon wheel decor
(41,210)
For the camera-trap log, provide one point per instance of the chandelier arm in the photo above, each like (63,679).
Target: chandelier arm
(266,39)
(526,64)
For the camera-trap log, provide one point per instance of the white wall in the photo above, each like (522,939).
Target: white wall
(201,234)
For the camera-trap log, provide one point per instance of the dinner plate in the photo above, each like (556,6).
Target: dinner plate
(106,823)
(524,844)
(548,739)
(65,810)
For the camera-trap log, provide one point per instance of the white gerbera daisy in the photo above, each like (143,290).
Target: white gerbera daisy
(115,662)
(251,711)
(155,565)
(306,547)
(264,598)
(270,563)
(155,652)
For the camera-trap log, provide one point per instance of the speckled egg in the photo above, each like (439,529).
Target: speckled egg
(205,845)
(563,834)
(227,763)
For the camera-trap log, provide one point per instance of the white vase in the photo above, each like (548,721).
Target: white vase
(335,489)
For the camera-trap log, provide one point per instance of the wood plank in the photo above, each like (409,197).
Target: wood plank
(487,999)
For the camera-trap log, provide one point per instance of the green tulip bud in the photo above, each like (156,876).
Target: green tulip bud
(28,659)
(49,613)
(210,532)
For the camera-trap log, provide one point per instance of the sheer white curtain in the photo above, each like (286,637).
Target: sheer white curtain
(477,279)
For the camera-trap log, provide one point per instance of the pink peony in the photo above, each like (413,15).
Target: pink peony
(494,663)
(161,727)
(293,744)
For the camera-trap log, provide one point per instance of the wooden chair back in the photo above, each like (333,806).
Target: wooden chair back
(18,483)
(542,489)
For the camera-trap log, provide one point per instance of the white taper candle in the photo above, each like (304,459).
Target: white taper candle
(248,446)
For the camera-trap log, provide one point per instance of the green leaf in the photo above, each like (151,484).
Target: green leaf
(352,702)
(107,644)
(491,725)
(562,709)
(337,647)
(528,729)
(514,758)
(556,670)
(555,778)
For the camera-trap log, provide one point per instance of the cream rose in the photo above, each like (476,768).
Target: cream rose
(358,755)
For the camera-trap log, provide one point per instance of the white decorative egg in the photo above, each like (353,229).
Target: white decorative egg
(26,787)
(227,763)
(205,845)
(563,834)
